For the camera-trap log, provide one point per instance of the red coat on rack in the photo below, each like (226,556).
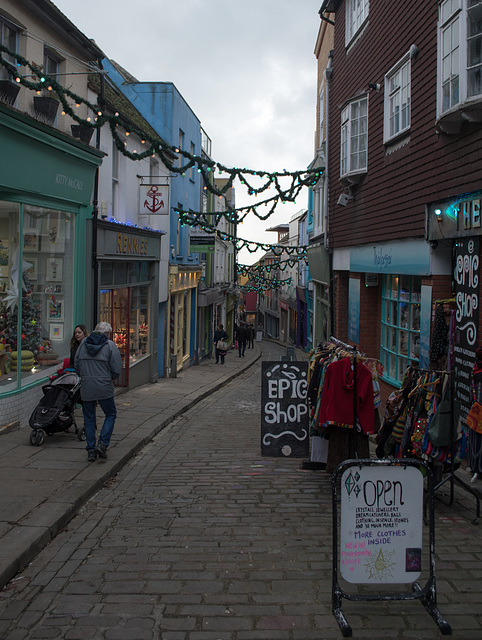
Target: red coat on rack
(337,398)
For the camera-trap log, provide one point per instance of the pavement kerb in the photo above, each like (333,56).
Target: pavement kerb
(24,541)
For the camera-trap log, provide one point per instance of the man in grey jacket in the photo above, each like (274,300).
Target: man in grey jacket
(98,363)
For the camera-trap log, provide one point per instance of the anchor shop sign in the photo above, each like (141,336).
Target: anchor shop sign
(284,410)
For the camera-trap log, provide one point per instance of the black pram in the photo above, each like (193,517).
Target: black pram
(55,411)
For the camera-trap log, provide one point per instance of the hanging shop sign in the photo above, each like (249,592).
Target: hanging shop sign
(466,287)
(284,410)
(381,524)
(154,200)
(202,243)
(455,218)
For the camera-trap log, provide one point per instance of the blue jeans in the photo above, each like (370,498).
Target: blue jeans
(88,409)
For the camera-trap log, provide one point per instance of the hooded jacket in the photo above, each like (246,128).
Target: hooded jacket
(337,397)
(98,363)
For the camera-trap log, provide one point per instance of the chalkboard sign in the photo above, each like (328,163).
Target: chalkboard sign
(284,410)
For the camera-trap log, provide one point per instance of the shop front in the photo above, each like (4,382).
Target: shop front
(46,181)
(386,297)
(129,296)
(182,312)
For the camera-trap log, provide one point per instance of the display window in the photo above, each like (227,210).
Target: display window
(36,292)
(126,309)
(400,326)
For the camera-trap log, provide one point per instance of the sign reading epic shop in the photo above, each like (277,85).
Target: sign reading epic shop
(284,409)
(466,286)
(381,524)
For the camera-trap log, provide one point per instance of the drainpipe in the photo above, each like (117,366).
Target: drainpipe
(95,212)
(328,76)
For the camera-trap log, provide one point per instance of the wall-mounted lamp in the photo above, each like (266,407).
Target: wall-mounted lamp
(438,214)
(375,86)
(413,51)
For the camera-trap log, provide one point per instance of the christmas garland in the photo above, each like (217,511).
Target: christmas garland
(299,179)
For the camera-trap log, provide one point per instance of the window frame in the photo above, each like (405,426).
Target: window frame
(388,135)
(454,15)
(6,24)
(347,137)
(354,18)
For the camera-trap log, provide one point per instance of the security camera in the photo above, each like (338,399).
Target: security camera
(344,199)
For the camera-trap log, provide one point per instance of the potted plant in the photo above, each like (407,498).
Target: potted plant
(9,91)
(46,105)
(82,132)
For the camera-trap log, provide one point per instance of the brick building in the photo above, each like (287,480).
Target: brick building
(404,177)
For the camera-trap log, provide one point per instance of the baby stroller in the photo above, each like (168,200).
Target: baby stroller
(55,411)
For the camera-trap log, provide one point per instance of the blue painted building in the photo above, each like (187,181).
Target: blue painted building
(161,104)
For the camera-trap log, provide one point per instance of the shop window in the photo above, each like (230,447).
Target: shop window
(400,339)
(126,309)
(36,292)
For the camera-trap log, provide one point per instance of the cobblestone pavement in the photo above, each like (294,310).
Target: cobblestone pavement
(198,537)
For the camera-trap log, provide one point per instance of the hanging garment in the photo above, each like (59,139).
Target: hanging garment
(440,339)
(474,445)
(337,403)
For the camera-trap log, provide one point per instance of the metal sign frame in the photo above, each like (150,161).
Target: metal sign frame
(426,594)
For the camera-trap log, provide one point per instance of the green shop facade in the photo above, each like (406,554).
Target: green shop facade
(46,182)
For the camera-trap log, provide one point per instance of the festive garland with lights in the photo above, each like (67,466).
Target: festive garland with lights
(299,179)
(279,265)
(266,284)
(240,243)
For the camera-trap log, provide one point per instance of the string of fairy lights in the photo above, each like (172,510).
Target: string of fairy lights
(287,184)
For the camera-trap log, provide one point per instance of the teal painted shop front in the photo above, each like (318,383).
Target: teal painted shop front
(46,182)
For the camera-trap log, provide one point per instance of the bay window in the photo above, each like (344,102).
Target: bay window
(460,53)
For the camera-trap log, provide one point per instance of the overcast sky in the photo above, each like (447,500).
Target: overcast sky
(246,68)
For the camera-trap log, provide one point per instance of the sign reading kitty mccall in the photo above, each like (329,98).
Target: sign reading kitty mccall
(284,409)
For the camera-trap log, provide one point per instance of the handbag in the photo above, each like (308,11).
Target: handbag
(440,428)
(474,418)
(222,345)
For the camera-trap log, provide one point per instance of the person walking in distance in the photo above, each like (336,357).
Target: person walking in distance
(98,363)
(80,332)
(220,343)
(241,335)
(250,336)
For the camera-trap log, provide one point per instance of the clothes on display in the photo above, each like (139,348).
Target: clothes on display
(416,421)
(338,375)
(474,457)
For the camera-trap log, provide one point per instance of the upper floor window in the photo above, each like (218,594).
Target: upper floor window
(460,52)
(9,39)
(397,100)
(354,137)
(51,65)
(181,147)
(356,15)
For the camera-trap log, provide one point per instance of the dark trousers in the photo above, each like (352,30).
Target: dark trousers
(241,347)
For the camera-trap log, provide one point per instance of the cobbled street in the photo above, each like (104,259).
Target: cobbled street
(201,538)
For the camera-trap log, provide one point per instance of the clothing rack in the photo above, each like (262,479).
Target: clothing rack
(450,475)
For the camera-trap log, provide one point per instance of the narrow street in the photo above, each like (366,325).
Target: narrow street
(201,538)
